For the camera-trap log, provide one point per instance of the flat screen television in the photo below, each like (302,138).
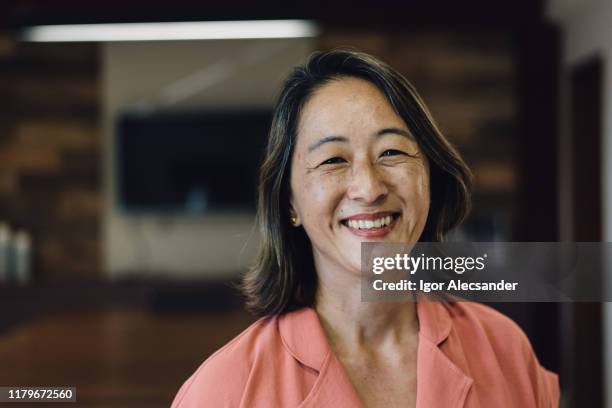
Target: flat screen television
(194,162)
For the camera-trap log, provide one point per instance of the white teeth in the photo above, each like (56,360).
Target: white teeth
(369,224)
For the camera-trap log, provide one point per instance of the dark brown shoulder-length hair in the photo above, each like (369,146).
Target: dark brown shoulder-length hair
(283,277)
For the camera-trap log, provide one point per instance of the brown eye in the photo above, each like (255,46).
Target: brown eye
(333,160)
(392,152)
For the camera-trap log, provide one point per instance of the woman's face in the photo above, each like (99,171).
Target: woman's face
(357,174)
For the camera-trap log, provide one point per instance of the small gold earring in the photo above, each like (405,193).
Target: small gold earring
(293,221)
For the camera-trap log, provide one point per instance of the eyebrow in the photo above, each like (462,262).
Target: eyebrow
(326,139)
(394,130)
(343,139)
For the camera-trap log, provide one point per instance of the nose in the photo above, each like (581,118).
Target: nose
(366,184)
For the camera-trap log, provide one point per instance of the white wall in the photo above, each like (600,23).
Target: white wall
(185,75)
(587,31)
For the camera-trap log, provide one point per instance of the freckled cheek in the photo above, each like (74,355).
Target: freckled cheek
(323,196)
(413,186)
(421,187)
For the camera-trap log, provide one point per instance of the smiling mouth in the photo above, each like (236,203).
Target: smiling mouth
(371,222)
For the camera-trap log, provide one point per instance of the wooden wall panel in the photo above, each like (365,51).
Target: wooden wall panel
(50,154)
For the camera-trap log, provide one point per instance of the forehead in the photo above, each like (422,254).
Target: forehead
(346,106)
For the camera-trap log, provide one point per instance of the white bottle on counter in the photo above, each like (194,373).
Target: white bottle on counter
(5,252)
(22,257)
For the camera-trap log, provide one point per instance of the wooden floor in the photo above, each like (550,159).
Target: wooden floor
(114,358)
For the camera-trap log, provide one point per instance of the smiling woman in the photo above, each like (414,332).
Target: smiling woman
(354,155)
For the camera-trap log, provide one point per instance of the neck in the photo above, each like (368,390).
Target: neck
(351,324)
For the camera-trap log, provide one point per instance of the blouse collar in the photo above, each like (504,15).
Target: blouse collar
(303,336)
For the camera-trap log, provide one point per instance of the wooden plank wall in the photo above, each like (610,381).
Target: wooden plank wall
(50,151)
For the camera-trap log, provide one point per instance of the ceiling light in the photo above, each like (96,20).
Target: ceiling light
(197,30)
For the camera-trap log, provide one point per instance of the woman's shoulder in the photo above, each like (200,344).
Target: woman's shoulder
(220,380)
(482,320)
(482,315)
(480,330)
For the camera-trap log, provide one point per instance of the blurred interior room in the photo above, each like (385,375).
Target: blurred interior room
(128,169)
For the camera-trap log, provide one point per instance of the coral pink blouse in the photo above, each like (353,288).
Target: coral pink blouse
(469,355)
